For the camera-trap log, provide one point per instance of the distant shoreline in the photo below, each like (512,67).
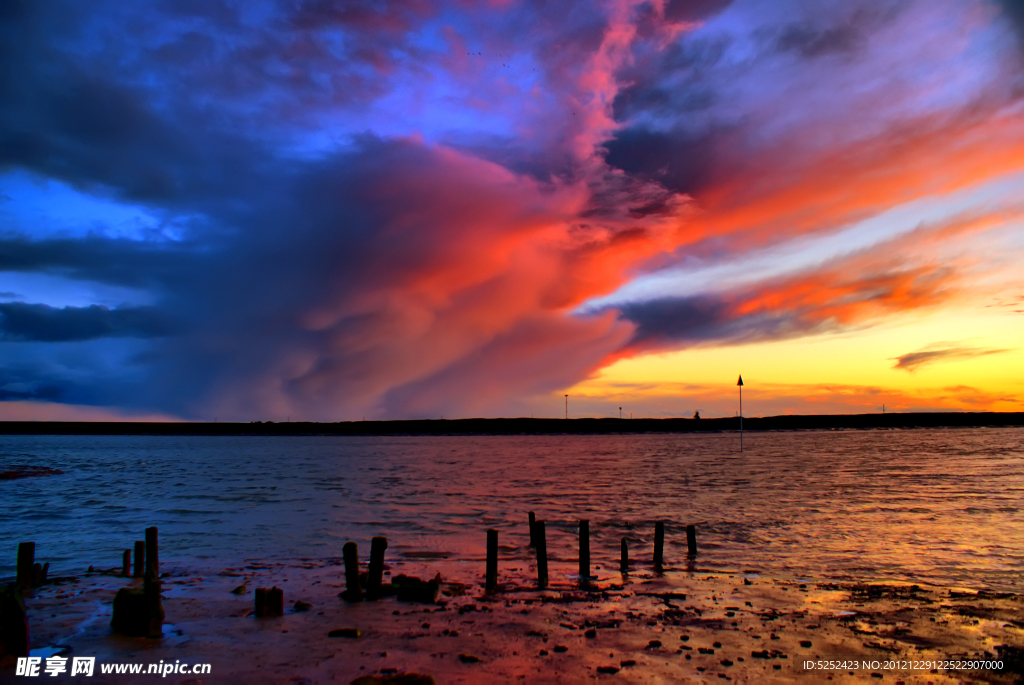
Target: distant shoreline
(526,426)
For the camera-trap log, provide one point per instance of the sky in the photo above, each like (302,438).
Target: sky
(330,211)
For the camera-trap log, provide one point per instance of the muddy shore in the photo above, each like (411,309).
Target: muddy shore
(687,624)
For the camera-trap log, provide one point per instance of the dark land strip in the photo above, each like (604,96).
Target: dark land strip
(526,426)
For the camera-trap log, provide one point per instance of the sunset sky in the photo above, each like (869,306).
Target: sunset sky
(414,209)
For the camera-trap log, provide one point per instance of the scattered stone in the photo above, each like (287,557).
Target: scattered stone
(653,644)
(561,648)
(302,606)
(240,590)
(725,662)
(346,632)
(610,670)
(542,652)
(591,633)
(716,645)
(470,659)
(805,644)
(627,663)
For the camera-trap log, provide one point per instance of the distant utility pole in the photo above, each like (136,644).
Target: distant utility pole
(566,407)
(740,384)
(620,412)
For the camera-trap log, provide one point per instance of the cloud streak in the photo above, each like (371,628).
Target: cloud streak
(938,353)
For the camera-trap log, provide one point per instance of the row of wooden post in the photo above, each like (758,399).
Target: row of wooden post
(538,540)
(29,573)
(375,574)
(147,559)
(147,556)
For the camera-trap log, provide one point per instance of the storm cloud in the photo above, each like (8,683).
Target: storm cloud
(403,209)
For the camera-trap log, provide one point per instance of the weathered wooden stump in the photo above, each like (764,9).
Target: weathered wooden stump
(261,602)
(275,602)
(13,622)
(624,556)
(542,555)
(139,612)
(491,581)
(375,577)
(533,522)
(126,563)
(659,544)
(584,550)
(691,541)
(411,589)
(352,593)
(26,564)
(152,553)
(140,558)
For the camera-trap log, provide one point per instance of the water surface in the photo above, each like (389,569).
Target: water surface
(942,505)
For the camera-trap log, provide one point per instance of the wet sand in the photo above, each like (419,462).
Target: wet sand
(688,624)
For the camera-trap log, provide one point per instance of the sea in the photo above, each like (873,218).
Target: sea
(941,506)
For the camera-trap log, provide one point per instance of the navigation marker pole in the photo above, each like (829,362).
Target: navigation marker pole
(740,384)
(567,407)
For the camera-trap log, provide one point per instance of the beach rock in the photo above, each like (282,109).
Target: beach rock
(591,633)
(13,623)
(353,633)
(653,644)
(139,613)
(561,648)
(395,679)
(470,659)
(806,644)
(627,663)
(302,606)
(21,471)
(240,590)
(610,670)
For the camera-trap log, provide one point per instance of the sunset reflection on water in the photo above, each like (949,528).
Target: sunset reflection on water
(932,505)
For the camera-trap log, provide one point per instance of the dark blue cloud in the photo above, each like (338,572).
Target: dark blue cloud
(41,323)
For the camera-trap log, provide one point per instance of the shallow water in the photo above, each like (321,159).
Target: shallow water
(942,506)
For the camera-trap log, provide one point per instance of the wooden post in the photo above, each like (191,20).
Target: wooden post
(659,544)
(152,553)
(533,522)
(691,540)
(140,558)
(624,556)
(542,555)
(375,576)
(126,563)
(491,583)
(584,549)
(26,563)
(353,593)
(261,602)
(275,601)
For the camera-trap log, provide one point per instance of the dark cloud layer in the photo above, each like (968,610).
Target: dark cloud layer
(41,323)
